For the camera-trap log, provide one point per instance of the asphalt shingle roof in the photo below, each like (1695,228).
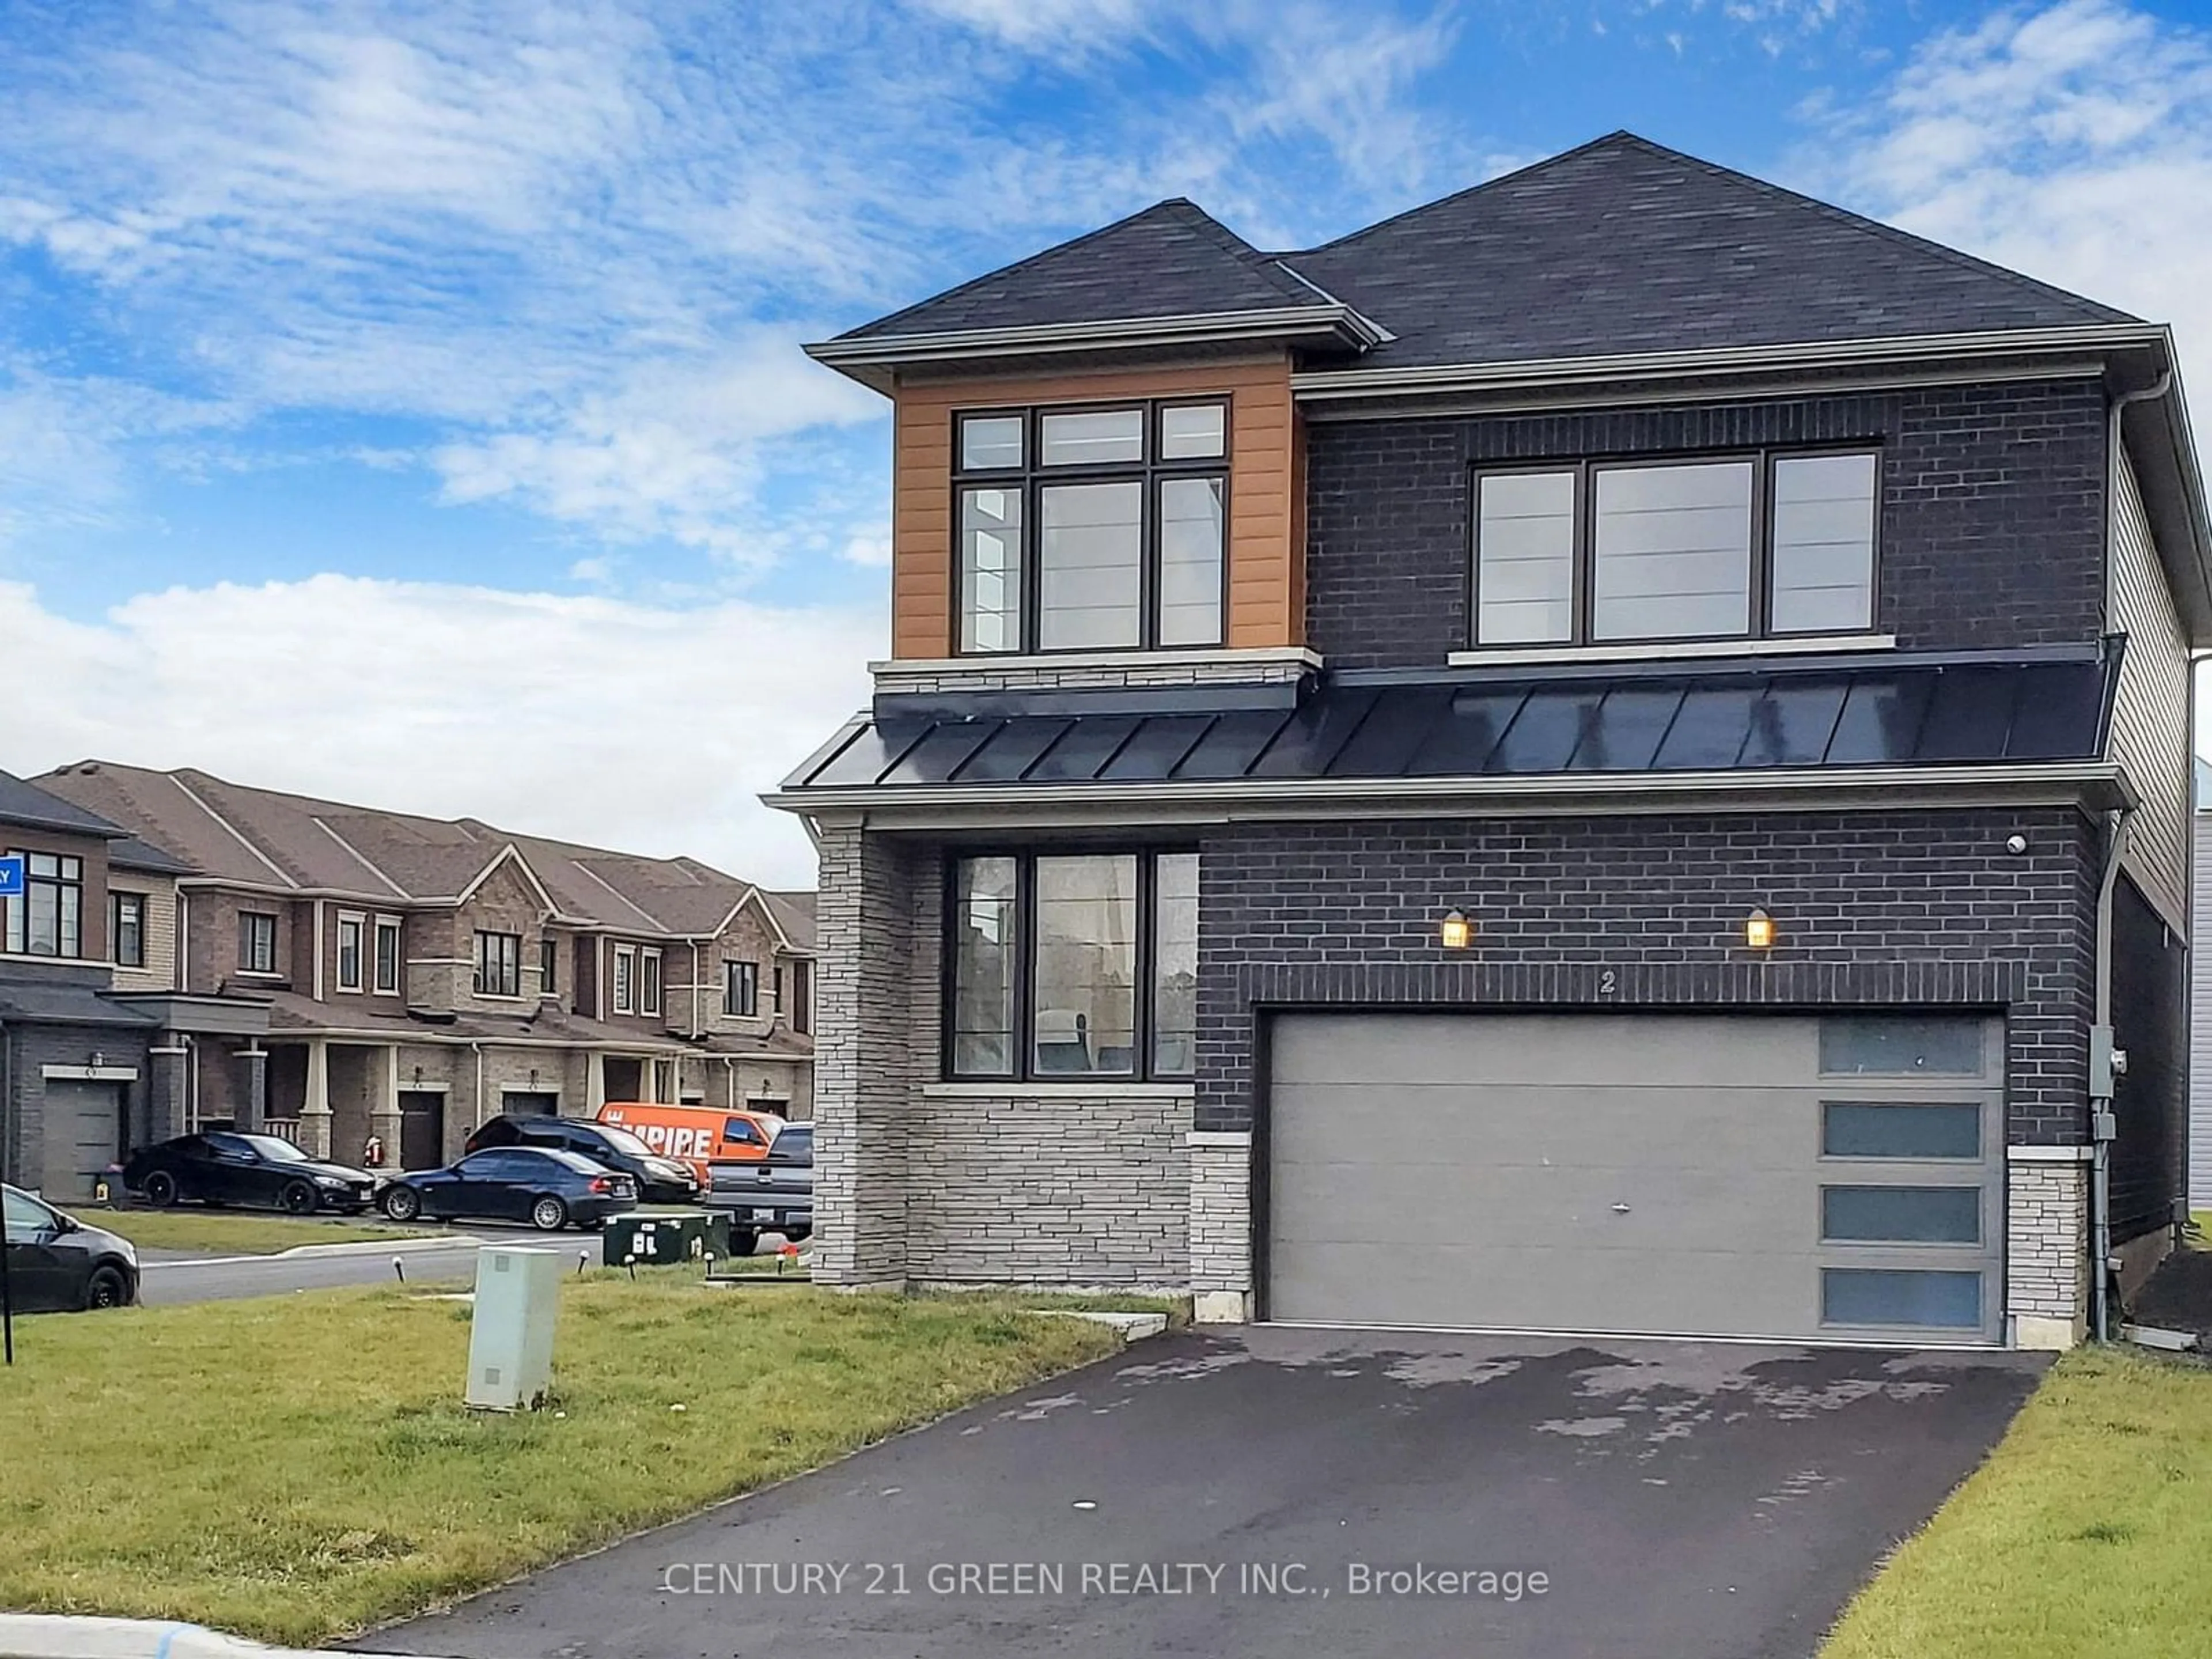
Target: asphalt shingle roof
(268,837)
(1620,246)
(1171,260)
(28,804)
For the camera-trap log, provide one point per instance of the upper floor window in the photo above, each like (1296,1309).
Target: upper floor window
(1743,547)
(257,942)
(1092,529)
(741,988)
(351,964)
(499,965)
(648,981)
(625,979)
(48,921)
(549,967)
(802,996)
(1072,964)
(387,955)
(126,928)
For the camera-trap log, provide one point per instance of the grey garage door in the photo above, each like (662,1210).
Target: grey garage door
(83,1136)
(1672,1175)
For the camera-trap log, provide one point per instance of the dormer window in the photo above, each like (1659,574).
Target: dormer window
(1092,529)
(1742,546)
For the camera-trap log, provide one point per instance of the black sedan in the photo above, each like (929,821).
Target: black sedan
(56,1264)
(660,1180)
(224,1168)
(541,1185)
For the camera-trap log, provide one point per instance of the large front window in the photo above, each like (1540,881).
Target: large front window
(48,921)
(1752,546)
(1092,529)
(1072,964)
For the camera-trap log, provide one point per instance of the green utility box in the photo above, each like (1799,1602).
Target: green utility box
(665,1240)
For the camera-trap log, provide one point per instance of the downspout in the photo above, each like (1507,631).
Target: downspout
(478,1049)
(2106,1060)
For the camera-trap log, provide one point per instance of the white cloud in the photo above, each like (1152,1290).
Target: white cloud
(626,726)
(2073,142)
(582,241)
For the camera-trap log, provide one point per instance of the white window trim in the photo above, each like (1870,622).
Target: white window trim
(398,985)
(1668,651)
(360,947)
(649,953)
(622,990)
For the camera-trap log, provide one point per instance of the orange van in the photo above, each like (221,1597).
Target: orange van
(697,1135)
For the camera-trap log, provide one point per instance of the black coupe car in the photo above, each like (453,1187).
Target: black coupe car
(541,1185)
(224,1168)
(56,1264)
(660,1180)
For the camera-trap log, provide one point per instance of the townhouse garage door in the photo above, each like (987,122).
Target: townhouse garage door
(1680,1175)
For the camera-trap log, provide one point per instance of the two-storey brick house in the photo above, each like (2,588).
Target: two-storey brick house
(419,974)
(91,1026)
(1607,753)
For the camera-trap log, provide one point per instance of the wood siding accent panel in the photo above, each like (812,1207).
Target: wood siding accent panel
(2150,708)
(1266,556)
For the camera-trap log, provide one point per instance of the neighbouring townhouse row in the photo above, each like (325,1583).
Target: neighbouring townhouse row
(1610,753)
(371,985)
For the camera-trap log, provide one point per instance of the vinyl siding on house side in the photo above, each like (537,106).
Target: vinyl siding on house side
(2150,708)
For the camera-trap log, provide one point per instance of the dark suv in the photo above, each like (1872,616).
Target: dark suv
(773,1196)
(660,1180)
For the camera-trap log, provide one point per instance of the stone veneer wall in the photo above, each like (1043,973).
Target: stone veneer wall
(1058,1184)
(2046,1251)
(1035,674)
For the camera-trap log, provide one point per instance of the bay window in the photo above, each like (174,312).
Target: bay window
(1074,964)
(1754,546)
(1091,529)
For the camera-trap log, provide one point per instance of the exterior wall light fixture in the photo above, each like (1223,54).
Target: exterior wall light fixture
(1758,931)
(1455,932)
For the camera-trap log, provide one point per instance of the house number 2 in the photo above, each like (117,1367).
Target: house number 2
(1607,983)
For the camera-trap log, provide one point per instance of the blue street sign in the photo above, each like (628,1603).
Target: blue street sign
(11,875)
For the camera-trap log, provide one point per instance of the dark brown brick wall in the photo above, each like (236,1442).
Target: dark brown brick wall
(1992,517)
(1895,909)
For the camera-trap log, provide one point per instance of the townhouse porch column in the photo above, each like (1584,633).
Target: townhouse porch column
(167,1086)
(384,1107)
(252,1113)
(315,1107)
(595,1082)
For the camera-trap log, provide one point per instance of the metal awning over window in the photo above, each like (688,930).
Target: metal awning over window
(1896,713)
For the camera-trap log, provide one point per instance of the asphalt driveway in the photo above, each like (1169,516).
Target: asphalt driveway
(1278,1491)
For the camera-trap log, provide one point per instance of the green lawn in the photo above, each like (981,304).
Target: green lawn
(2087,1532)
(296,1468)
(224,1234)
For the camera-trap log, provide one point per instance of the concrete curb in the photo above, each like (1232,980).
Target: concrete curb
(373,1247)
(313,1252)
(50,1636)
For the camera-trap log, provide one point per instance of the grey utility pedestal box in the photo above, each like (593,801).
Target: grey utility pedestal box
(511,1338)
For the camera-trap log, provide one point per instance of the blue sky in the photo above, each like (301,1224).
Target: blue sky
(402,401)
